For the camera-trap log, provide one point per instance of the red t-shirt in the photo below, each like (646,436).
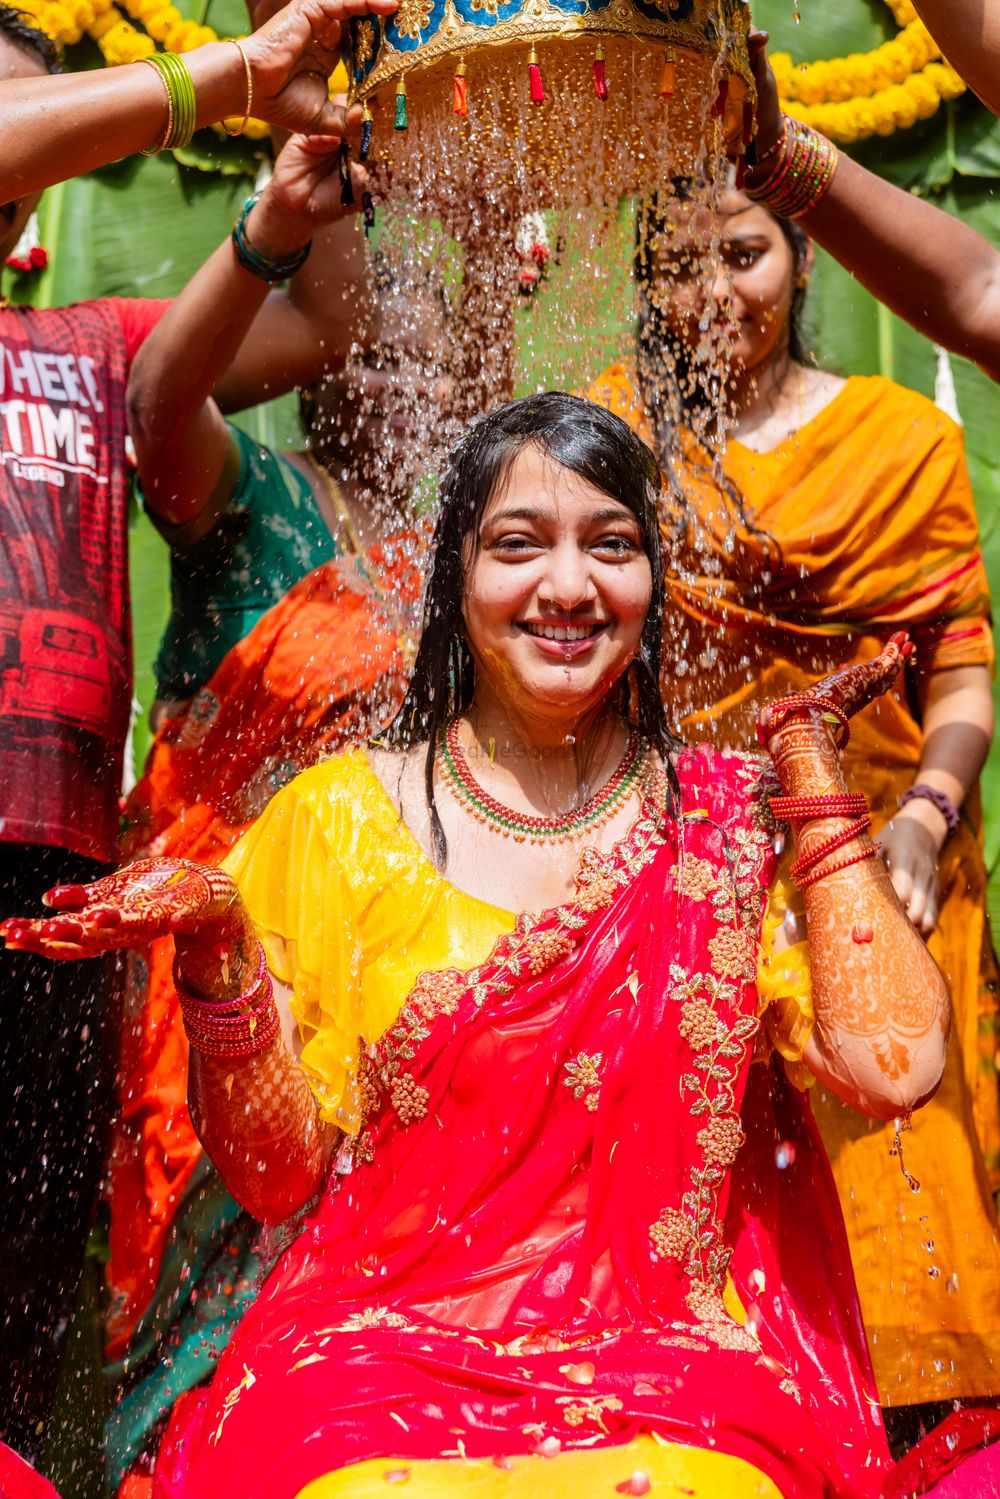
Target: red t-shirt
(65,636)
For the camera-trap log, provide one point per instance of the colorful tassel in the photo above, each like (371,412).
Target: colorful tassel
(719,107)
(600,81)
(367,130)
(535,78)
(401,122)
(344,168)
(460,95)
(668,80)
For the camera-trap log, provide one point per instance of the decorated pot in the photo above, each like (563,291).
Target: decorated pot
(535,103)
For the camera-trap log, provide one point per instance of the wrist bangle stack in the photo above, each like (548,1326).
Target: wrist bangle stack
(233,1028)
(804,808)
(249,76)
(254,261)
(783,708)
(938,799)
(807,868)
(804,168)
(181,103)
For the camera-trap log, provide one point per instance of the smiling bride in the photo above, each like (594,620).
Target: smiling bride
(572,1229)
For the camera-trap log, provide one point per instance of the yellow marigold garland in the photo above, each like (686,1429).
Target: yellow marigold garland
(871,93)
(904,11)
(64,20)
(841,79)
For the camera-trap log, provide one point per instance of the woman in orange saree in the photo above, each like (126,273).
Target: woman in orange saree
(567,1234)
(846,514)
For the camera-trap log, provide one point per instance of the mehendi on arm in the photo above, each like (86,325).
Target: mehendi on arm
(880,1002)
(255,1115)
(259,1122)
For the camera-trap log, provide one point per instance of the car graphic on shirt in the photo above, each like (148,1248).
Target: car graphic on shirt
(54,669)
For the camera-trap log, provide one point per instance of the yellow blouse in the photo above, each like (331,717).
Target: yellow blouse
(351,911)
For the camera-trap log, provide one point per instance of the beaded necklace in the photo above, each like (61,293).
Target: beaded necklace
(457,775)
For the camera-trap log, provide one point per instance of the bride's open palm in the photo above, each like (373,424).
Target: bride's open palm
(149,899)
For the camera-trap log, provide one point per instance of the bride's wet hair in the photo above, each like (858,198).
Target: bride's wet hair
(598,447)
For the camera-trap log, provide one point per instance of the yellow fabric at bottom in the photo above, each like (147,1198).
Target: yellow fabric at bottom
(581,1474)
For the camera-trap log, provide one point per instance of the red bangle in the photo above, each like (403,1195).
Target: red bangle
(240,1026)
(821,874)
(829,846)
(219,1017)
(803,700)
(256,1040)
(235,1002)
(234,1035)
(233,1028)
(803,808)
(773,151)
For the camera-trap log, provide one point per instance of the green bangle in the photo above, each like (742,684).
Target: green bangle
(181,102)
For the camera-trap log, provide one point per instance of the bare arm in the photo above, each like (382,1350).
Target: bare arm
(968,33)
(932,270)
(225,334)
(55,128)
(958,730)
(880,1003)
(301,334)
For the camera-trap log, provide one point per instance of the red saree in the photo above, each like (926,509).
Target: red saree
(568,1163)
(19,1481)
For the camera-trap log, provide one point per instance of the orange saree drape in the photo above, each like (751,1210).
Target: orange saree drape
(862,523)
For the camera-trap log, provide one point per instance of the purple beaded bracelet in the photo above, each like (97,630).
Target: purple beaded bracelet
(938,799)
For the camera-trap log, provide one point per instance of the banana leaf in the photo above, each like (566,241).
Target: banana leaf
(824,30)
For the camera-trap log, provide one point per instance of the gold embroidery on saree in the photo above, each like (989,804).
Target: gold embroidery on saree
(408,1098)
(583,1077)
(695,878)
(719,1038)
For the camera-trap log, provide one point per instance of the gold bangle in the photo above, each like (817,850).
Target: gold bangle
(155,150)
(249,72)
